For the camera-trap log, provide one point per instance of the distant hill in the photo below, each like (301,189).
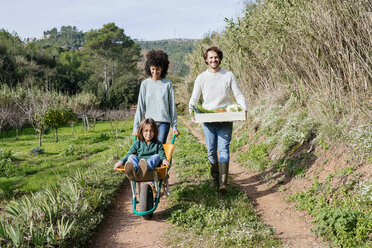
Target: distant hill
(177,49)
(67,37)
(70,37)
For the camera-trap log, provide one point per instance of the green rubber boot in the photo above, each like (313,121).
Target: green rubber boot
(224,173)
(215,175)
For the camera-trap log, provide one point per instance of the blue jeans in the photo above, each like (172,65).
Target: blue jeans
(152,161)
(163,132)
(218,135)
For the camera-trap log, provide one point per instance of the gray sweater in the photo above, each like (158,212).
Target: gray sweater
(156,101)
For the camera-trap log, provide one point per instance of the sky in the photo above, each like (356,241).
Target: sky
(140,19)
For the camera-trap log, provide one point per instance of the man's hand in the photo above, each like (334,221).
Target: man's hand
(119,164)
(166,162)
(176,133)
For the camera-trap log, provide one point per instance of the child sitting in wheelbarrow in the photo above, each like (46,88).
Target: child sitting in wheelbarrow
(145,154)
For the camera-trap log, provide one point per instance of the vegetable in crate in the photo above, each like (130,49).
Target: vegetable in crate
(200,109)
(230,108)
(234,108)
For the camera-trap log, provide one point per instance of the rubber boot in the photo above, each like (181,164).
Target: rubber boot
(215,175)
(224,172)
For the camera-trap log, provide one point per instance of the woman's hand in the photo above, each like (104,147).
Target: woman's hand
(166,162)
(176,132)
(134,134)
(119,164)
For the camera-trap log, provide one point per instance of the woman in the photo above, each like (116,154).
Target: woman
(156,96)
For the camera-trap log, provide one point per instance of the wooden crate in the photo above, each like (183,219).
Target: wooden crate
(220,117)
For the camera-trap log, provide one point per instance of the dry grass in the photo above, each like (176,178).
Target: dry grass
(317,51)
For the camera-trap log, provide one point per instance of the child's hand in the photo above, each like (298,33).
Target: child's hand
(119,164)
(166,162)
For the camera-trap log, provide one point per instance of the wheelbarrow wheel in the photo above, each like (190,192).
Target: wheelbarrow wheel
(146,200)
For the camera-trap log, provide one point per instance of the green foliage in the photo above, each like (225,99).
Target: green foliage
(111,58)
(68,36)
(177,50)
(342,215)
(256,158)
(341,226)
(6,167)
(271,121)
(30,173)
(36,151)
(240,137)
(57,117)
(295,166)
(360,140)
(64,213)
(53,63)
(295,131)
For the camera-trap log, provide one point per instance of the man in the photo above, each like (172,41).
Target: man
(215,85)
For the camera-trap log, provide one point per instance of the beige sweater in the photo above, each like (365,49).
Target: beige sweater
(216,89)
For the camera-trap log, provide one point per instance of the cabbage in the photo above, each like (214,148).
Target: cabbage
(233,108)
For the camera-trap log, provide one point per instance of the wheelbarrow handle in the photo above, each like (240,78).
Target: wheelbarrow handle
(173,138)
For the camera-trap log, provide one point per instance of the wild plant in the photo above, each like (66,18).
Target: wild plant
(360,141)
(38,234)
(63,228)
(296,131)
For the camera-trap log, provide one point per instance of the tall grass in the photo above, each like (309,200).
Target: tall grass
(319,51)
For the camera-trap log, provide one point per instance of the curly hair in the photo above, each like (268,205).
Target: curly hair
(157,58)
(214,49)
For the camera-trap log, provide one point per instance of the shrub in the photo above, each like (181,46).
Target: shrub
(296,130)
(36,151)
(360,140)
(5,165)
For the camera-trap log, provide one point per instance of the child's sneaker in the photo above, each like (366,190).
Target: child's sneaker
(142,168)
(129,169)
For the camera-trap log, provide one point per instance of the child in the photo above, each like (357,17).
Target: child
(146,153)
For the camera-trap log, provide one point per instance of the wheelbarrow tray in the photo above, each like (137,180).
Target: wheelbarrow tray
(161,170)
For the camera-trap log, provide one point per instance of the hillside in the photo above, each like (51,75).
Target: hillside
(177,50)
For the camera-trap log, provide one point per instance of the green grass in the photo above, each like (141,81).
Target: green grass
(342,215)
(25,173)
(256,158)
(74,180)
(219,220)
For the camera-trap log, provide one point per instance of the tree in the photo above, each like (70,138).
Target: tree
(113,52)
(17,119)
(56,117)
(34,106)
(5,113)
(72,119)
(116,119)
(10,48)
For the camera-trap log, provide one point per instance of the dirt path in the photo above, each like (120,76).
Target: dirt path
(122,228)
(292,227)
